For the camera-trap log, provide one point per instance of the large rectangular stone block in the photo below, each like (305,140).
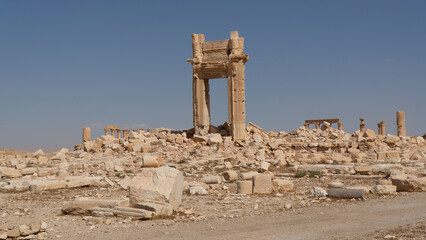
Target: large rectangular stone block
(162,184)
(262,183)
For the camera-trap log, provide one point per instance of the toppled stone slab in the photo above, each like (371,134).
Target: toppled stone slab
(403,184)
(84,205)
(159,209)
(345,193)
(136,213)
(283,185)
(162,184)
(102,212)
(10,172)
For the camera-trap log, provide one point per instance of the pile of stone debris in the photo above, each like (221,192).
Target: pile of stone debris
(262,163)
(35,230)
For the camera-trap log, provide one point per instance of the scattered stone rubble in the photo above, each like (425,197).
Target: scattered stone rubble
(157,166)
(35,230)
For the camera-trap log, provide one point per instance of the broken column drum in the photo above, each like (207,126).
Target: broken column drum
(362,125)
(382,128)
(86,134)
(400,123)
(379,127)
(218,59)
(340,126)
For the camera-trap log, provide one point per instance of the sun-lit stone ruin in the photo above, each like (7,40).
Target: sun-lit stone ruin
(362,125)
(86,134)
(400,123)
(382,128)
(230,171)
(318,123)
(218,59)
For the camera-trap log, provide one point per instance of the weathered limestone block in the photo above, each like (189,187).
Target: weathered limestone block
(86,134)
(404,184)
(391,139)
(149,160)
(244,187)
(384,189)
(10,172)
(283,185)
(257,138)
(84,205)
(13,233)
(387,169)
(97,144)
(335,185)
(381,155)
(24,230)
(44,185)
(136,213)
(38,153)
(159,209)
(345,193)
(102,212)
(264,166)
(199,138)
(162,184)
(262,183)
(81,181)
(392,155)
(213,138)
(369,133)
(363,169)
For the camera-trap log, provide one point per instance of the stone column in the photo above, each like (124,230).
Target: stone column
(340,126)
(382,128)
(236,83)
(118,133)
(106,131)
(362,125)
(126,133)
(317,125)
(307,125)
(86,134)
(201,98)
(113,133)
(400,123)
(379,127)
(200,89)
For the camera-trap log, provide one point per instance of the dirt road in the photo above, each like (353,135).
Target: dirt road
(338,221)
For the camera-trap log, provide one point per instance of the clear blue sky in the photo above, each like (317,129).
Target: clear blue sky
(65,65)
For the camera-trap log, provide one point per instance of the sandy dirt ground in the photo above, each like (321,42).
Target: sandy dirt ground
(397,217)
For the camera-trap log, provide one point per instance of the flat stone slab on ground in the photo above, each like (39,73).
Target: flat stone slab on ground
(345,193)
